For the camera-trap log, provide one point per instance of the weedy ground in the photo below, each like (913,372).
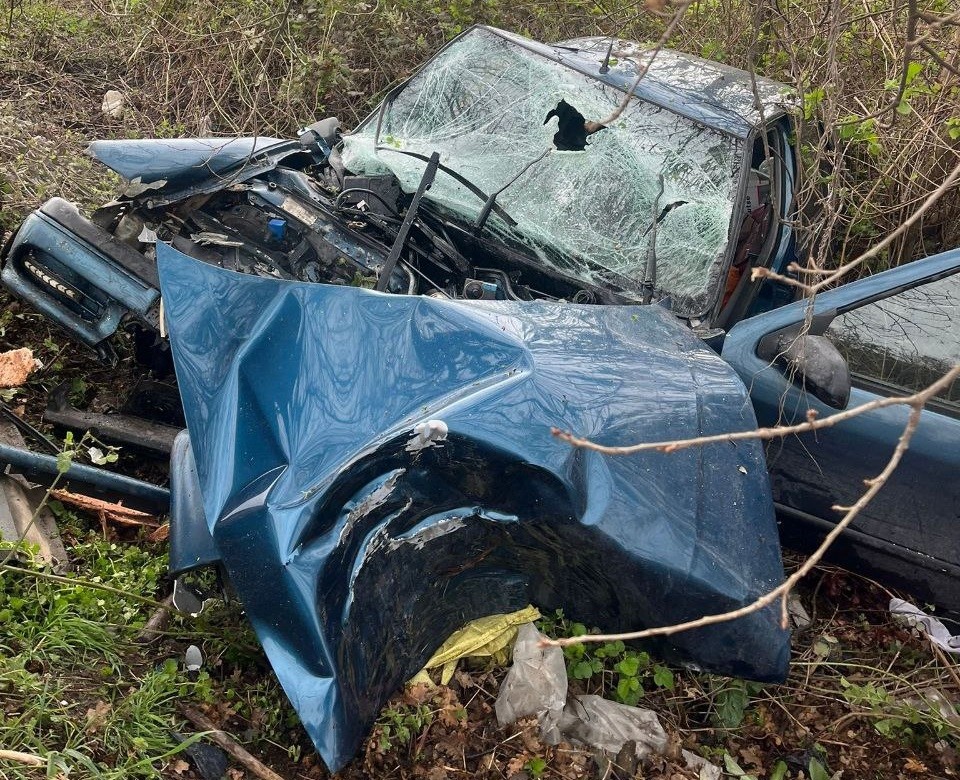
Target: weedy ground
(864,696)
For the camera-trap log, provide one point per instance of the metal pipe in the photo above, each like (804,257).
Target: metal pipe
(144,495)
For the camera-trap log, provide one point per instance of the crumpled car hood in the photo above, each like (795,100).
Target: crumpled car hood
(357,544)
(171,169)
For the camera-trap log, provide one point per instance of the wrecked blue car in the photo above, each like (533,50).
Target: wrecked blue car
(671,203)
(373,334)
(396,477)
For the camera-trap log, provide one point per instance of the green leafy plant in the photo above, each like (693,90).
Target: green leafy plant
(912,719)
(613,667)
(398,725)
(730,701)
(536,766)
(953,128)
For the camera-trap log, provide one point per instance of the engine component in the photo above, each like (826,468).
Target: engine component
(477,290)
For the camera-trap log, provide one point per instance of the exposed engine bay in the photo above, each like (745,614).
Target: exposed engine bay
(300,224)
(465,183)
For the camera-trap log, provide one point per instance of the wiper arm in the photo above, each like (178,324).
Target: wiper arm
(400,241)
(491,201)
(650,271)
(463,180)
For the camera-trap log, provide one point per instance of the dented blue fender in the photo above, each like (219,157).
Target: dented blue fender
(378,469)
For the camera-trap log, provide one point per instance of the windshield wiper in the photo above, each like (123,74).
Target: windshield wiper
(398,243)
(460,178)
(650,271)
(491,201)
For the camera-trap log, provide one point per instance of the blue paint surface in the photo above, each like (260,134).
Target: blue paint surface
(356,551)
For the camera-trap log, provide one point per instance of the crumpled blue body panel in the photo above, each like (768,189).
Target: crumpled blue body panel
(174,168)
(356,550)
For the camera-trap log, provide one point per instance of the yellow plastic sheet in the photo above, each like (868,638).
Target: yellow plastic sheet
(487,637)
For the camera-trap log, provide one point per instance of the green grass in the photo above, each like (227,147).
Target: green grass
(80,694)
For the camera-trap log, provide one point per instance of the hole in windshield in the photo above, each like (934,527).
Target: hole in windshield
(571,133)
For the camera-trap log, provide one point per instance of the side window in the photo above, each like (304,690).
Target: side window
(907,341)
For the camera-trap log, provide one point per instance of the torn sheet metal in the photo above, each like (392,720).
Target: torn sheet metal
(176,168)
(356,557)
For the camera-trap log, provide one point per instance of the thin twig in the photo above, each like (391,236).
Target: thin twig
(835,275)
(643,67)
(775,432)
(916,402)
(229,744)
(23,758)
(156,623)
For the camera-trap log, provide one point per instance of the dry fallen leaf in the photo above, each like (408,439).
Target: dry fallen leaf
(915,767)
(179,766)
(97,716)
(515,765)
(160,534)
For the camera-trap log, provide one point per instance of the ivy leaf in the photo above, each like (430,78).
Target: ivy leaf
(628,690)
(629,666)
(663,677)
(583,670)
(731,703)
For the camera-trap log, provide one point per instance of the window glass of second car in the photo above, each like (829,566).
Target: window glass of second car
(907,341)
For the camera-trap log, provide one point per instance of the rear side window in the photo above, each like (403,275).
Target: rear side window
(905,342)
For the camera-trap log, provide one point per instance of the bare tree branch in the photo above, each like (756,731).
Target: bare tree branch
(831,276)
(776,432)
(643,67)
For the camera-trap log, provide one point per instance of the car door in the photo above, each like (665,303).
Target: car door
(897,332)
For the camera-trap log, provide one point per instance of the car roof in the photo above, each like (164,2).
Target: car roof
(716,95)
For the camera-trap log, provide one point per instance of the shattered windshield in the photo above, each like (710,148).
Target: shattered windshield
(482,104)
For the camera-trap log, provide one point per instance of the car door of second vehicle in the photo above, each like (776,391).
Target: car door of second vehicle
(899,331)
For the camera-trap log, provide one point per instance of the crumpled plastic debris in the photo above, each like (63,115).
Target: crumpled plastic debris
(210,762)
(913,616)
(536,685)
(486,637)
(798,613)
(931,700)
(24,516)
(608,725)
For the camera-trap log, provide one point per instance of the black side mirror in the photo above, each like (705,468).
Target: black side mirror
(813,363)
